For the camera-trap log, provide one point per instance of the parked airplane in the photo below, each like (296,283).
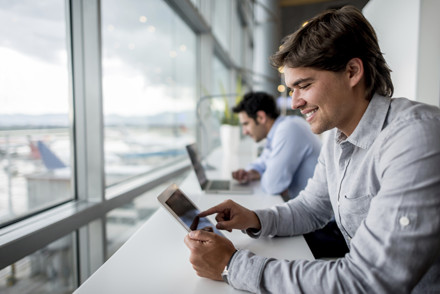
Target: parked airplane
(50,160)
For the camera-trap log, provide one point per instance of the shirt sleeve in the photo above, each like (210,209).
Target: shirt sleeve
(260,163)
(394,247)
(310,211)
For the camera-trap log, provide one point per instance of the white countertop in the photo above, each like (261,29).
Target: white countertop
(156,260)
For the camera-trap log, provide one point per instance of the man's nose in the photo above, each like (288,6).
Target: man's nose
(297,102)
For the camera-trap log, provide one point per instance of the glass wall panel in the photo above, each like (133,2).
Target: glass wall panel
(205,8)
(222,22)
(220,77)
(49,270)
(237,37)
(213,105)
(149,87)
(35,141)
(122,222)
(249,56)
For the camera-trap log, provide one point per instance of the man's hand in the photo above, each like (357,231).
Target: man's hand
(231,215)
(244,176)
(210,253)
(241,176)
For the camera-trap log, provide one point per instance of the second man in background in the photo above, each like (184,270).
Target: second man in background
(291,150)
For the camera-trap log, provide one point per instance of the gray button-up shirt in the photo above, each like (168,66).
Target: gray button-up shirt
(383,185)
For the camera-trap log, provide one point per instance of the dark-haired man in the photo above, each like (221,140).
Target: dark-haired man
(377,172)
(291,150)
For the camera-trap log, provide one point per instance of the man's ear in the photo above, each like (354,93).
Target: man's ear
(261,117)
(355,71)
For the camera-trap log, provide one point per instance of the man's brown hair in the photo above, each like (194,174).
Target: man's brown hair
(331,39)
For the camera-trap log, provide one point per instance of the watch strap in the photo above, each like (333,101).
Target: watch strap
(225,273)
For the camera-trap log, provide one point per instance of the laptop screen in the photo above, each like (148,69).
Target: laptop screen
(197,165)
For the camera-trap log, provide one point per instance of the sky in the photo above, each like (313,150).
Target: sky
(145,70)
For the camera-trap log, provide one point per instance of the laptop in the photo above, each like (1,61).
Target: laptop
(213,186)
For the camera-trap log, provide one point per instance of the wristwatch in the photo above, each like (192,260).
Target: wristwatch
(225,273)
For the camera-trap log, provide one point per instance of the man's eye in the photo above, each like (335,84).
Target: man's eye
(304,86)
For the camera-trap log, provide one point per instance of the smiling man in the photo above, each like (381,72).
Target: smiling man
(377,172)
(291,151)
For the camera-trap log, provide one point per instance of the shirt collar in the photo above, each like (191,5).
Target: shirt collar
(371,123)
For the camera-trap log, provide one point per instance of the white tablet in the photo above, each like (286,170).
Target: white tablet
(184,210)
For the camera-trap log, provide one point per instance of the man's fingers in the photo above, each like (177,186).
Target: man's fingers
(200,235)
(208,229)
(195,240)
(227,225)
(216,209)
(210,211)
(220,217)
(195,223)
(223,226)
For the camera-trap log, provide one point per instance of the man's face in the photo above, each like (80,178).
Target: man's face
(252,128)
(323,97)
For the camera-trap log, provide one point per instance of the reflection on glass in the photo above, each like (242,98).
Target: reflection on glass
(49,270)
(34,136)
(149,80)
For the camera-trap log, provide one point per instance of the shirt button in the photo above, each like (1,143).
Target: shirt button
(404,221)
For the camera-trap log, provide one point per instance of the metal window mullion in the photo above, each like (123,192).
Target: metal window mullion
(266,31)
(89,155)
(204,66)
(189,14)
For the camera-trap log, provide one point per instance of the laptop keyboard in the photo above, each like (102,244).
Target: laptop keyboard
(219,185)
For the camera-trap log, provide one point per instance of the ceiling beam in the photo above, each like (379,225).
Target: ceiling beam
(284,3)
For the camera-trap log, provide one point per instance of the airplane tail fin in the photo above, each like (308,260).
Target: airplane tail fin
(35,153)
(50,160)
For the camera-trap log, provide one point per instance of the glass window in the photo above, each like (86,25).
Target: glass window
(204,8)
(247,45)
(220,77)
(149,81)
(49,270)
(222,22)
(212,107)
(237,43)
(123,221)
(35,140)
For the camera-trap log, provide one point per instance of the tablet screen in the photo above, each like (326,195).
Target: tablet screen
(187,212)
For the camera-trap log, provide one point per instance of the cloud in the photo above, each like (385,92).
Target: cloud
(148,57)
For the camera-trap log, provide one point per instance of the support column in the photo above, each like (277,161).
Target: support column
(266,42)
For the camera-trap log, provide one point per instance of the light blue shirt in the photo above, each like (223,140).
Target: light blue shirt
(289,156)
(383,185)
